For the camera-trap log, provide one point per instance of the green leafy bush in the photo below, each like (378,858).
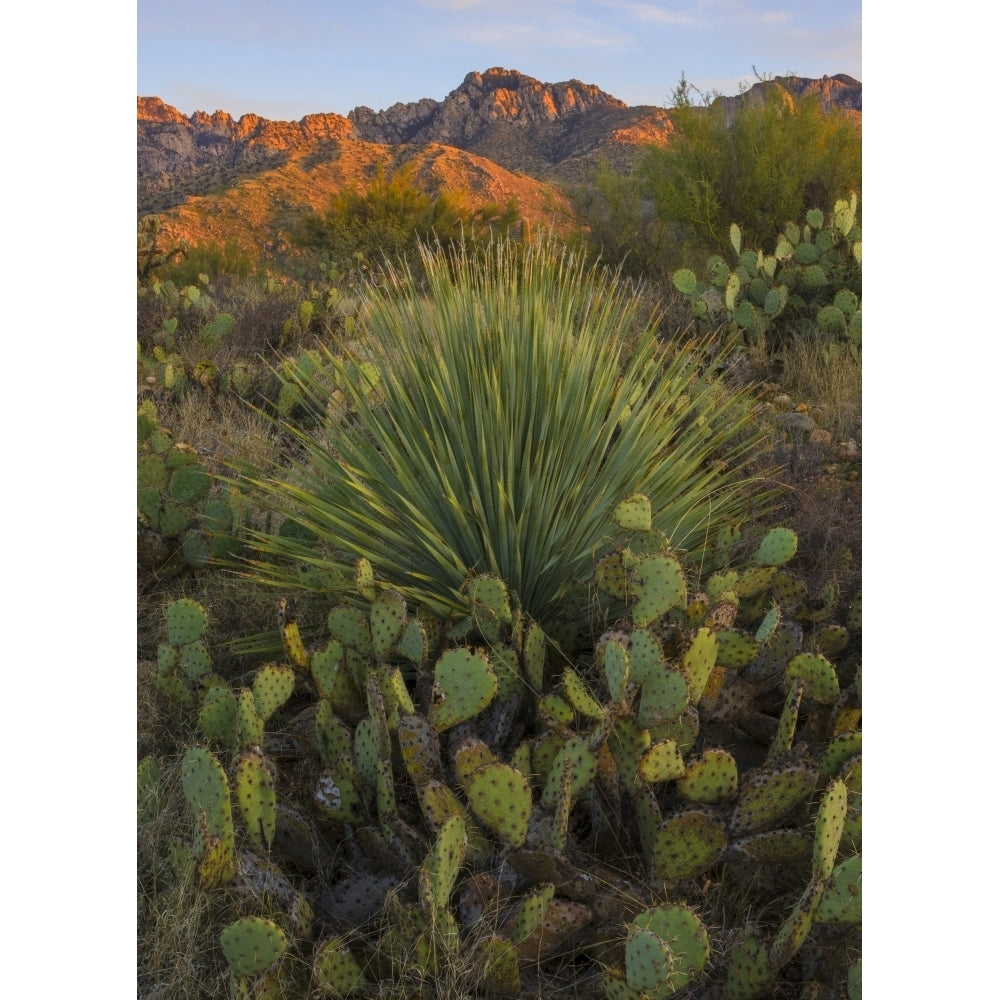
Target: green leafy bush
(393,215)
(759,165)
(515,406)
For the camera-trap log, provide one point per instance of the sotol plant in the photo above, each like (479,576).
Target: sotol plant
(514,408)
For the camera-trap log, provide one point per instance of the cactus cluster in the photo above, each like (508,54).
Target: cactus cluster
(474,770)
(183,523)
(814,271)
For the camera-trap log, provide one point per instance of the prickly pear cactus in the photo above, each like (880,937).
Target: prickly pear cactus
(252,945)
(464,684)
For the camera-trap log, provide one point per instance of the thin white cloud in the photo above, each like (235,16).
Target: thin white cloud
(648,13)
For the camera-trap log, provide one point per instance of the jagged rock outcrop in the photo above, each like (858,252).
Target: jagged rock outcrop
(841,91)
(170,143)
(483,100)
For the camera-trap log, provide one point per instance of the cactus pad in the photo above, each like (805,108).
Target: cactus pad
(793,932)
(530,913)
(186,622)
(616,669)
(256,798)
(664,697)
(841,902)
(578,695)
(420,748)
(413,643)
(687,843)
(337,795)
(658,585)
(665,948)
(611,576)
(713,778)
(335,970)
(769,797)
(583,766)
(333,679)
(272,687)
(735,649)
(773,847)
(748,974)
(818,674)
(443,863)
(698,662)
(533,657)
(217,716)
(500,797)
(464,684)
(634,514)
(490,593)
(388,615)
(661,762)
(252,944)
(829,829)
(189,483)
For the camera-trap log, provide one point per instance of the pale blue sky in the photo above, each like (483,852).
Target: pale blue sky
(284,59)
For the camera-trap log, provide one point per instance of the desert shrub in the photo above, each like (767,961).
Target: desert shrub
(213,258)
(760,165)
(393,215)
(506,419)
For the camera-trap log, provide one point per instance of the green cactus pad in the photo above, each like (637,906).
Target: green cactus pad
(773,847)
(748,975)
(720,584)
(500,797)
(766,628)
(683,730)
(685,944)
(769,797)
(661,762)
(735,648)
(531,913)
(194,660)
(444,861)
(578,695)
(333,737)
(252,944)
(469,756)
(634,514)
(351,629)
(364,579)
(497,961)
(152,472)
(249,723)
(583,766)
(272,687)
(611,576)
(712,778)
(687,843)
(818,674)
(754,581)
(794,931)
(841,902)
(413,643)
(388,615)
(217,716)
(420,748)
(464,684)
(698,662)
(333,679)
(789,719)
(831,639)
(337,795)
(335,970)
(616,669)
(645,655)
(490,592)
(167,658)
(829,829)
(658,585)
(255,795)
(664,696)
(186,622)
(533,658)
(648,960)
(628,742)
(189,483)
(840,749)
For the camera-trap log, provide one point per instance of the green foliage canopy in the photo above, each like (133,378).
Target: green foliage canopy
(394,214)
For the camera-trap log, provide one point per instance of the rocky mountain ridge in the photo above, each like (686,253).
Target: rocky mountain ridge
(499,135)
(548,130)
